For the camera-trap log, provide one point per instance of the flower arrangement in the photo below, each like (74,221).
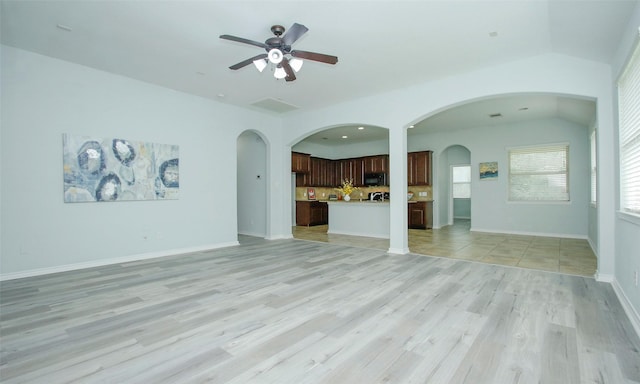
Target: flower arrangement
(347,187)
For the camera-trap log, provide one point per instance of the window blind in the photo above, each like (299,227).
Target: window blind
(629,134)
(539,173)
(594,168)
(461,182)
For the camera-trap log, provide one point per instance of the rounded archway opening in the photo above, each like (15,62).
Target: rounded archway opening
(322,161)
(252,186)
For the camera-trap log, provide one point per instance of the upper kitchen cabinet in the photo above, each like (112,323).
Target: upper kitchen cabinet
(322,172)
(376,164)
(352,169)
(419,168)
(300,162)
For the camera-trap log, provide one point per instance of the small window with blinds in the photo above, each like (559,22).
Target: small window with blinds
(629,135)
(461,181)
(594,169)
(539,173)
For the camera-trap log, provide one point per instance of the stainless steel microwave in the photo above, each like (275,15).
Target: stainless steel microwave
(375,179)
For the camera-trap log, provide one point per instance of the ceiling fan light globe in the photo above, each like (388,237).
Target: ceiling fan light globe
(275,56)
(296,64)
(260,64)
(279,73)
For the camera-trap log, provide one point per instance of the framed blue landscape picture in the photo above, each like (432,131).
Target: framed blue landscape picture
(489,170)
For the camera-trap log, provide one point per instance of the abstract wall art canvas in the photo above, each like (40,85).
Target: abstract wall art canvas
(114,169)
(488,170)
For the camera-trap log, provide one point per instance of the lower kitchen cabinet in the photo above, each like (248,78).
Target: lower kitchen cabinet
(421,215)
(312,213)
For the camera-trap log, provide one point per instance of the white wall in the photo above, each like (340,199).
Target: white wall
(547,73)
(593,211)
(315,150)
(627,227)
(492,211)
(252,185)
(42,98)
(344,151)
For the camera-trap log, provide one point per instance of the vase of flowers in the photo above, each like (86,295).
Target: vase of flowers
(346,188)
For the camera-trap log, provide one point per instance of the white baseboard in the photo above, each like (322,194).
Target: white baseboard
(398,251)
(604,278)
(523,233)
(252,234)
(279,237)
(116,260)
(593,247)
(631,312)
(374,235)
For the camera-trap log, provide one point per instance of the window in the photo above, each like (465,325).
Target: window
(539,173)
(629,135)
(461,176)
(594,168)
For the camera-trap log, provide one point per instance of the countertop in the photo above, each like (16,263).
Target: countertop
(352,201)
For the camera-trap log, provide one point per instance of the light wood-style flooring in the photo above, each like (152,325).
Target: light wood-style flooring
(570,256)
(294,311)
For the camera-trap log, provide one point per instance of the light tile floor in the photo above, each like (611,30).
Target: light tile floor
(569,256)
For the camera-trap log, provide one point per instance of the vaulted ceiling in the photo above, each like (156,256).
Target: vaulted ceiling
(381,45)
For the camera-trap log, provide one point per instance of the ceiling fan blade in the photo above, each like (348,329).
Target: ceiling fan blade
(287,68)
(315,56)
(294,33)
(244,63)
(246,41)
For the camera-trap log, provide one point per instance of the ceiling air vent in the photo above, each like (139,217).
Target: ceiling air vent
(274,105)
(495,115)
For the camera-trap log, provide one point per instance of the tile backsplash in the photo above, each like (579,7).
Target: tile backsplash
(322,193)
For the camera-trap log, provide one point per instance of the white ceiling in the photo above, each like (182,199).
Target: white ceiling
(381,45)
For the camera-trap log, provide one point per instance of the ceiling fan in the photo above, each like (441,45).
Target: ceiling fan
(277,48)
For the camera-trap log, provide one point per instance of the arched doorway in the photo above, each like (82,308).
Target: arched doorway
(455,164)
(252,185)
(354,152)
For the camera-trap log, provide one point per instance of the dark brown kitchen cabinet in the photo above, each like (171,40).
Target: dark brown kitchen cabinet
(321,172)
(316,176)
(300,162)
(311,213)
(376,164)
(421,215)
(419,168)
(334,173)
(352,169)
(303,179)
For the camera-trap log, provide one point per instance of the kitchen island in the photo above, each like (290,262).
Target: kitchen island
(359,218)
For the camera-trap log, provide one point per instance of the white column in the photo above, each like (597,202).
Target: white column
(398,241)
(607,199)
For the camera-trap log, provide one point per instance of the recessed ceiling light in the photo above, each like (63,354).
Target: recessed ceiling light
(412,126)
(64,27)
(360,128)
(345,136)
(221,95)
